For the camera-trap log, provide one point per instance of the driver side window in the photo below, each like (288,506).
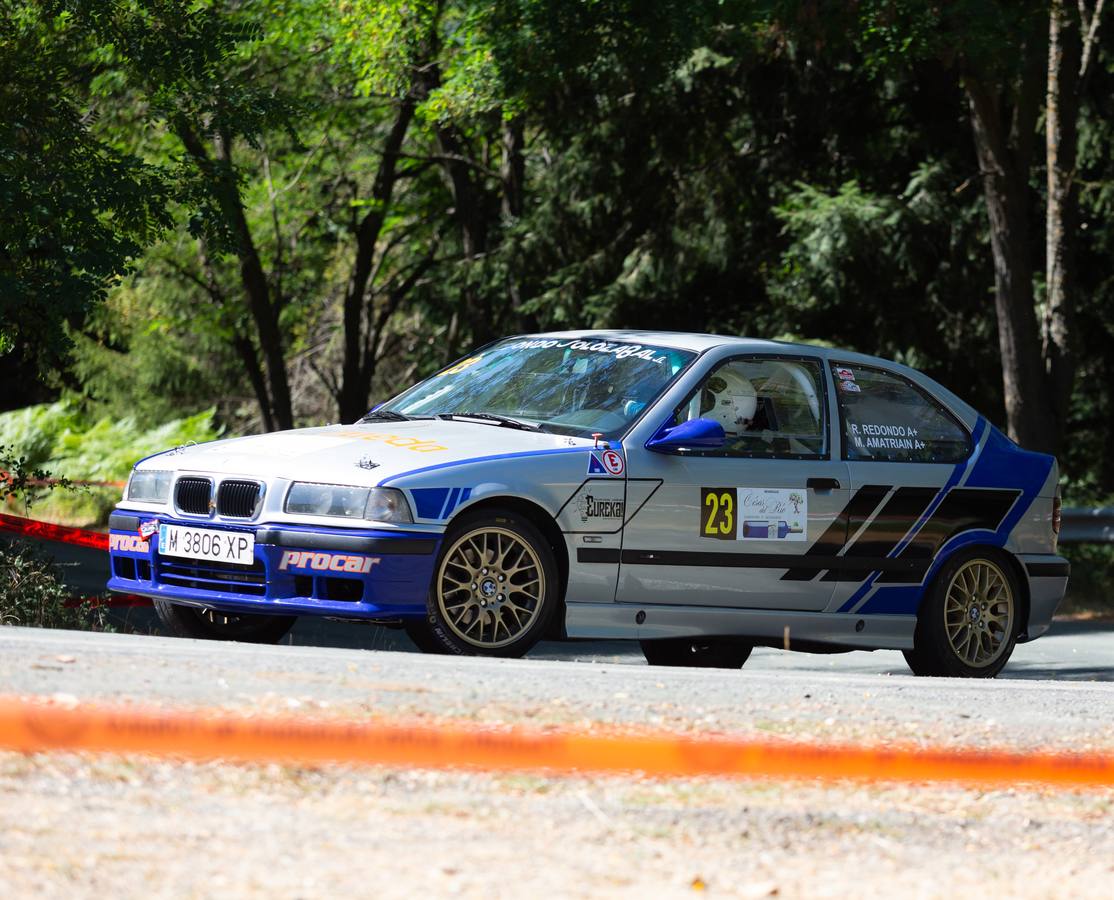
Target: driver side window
(768,407)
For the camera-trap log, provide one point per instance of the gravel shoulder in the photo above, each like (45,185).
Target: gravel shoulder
(73,825)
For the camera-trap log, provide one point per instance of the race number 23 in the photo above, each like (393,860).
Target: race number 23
(717,513)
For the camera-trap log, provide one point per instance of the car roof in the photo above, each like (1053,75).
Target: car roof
(699,343)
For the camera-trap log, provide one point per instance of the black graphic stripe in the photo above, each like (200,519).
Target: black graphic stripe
(1048,570)
(963,509)
(889,527)
(849,520)
(710,559)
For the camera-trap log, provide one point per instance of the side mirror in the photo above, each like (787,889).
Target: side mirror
(695,434)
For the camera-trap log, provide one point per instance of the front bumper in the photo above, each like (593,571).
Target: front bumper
(298,570)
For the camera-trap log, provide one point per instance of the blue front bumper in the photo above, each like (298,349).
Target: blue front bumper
(298,570)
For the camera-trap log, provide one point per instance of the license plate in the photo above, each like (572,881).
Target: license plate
(205,543)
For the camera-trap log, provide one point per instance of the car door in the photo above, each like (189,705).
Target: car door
(736,526)
(906,453)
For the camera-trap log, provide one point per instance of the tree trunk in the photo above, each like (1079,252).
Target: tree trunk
(263,312)
(356,369)
(1004,159)
(1065,51)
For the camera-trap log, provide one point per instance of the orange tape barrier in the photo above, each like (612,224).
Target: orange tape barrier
(33,726)
(112,601)
(47,531)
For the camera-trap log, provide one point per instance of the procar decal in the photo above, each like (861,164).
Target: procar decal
(327,562)
(126,543)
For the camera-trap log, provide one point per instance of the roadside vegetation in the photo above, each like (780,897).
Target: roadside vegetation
(60,438)
(31,590)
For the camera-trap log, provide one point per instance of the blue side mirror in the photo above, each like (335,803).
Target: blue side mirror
(695,434)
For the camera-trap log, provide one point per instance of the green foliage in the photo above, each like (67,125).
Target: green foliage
(55,437)
(73,208)
(31,591)
(32,595)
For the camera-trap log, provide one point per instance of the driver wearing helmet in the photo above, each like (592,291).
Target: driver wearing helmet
(730,399)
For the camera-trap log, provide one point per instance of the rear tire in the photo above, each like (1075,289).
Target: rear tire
(703,653)
(210,624)
(969,621)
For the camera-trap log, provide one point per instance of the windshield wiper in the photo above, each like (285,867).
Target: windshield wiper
(494,419)
(384,415)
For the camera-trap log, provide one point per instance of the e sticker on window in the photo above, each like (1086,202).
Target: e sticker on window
(764,514)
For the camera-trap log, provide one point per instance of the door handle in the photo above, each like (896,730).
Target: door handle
(823,484)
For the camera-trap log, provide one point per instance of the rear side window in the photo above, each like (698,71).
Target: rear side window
(886,418)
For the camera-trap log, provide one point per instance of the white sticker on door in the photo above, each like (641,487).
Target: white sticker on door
(760,514)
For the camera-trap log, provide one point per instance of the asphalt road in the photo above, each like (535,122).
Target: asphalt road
(83,826)
(1056,692)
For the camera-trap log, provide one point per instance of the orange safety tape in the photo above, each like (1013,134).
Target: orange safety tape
(33,726)
(47,531)
(112,601)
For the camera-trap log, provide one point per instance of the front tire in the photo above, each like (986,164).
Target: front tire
(495,587)
(704,653)
(969,622)
(213,625)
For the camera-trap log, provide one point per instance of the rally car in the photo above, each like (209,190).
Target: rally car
(699,494)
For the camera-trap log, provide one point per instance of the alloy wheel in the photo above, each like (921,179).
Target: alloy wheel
(978,613)
(490,587)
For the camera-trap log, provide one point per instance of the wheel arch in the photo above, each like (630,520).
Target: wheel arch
(547,525)
(1000,554)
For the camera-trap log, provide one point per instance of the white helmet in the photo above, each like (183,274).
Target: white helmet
(730,399)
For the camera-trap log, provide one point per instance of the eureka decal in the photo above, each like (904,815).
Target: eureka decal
(766,514)
(591,507)
(327,562)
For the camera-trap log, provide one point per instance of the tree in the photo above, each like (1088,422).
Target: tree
(74,210)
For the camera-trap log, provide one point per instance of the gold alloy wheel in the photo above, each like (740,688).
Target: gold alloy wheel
(490,587)
(978,613)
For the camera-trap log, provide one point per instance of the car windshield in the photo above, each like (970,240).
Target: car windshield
(567,386)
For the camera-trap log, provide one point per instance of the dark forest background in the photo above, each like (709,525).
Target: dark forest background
(293,208)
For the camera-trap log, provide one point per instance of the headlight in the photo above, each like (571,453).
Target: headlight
(149,486)
(377,504)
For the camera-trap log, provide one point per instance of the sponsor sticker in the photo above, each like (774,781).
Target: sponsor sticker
(127,543)
(463,364)
(609,462)
(592,507)
(742,513)
(850,387)
(619,351)
(327,562)
(870,436)
(148,529)
(845,374)
(394,440)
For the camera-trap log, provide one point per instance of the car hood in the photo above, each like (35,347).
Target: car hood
(357,454)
